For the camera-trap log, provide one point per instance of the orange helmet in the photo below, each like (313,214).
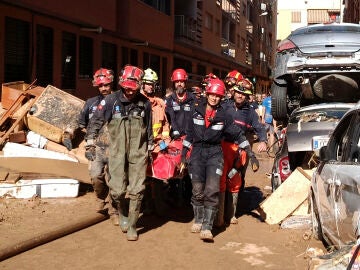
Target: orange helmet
(103,76)
(131,77)
(233,77)
(215,86)
(179,75)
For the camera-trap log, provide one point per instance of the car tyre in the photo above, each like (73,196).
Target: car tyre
(279,102)
(315,217)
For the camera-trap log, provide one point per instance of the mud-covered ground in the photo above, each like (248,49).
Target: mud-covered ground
(164,243)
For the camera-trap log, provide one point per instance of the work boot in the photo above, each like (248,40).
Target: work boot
(209,216)
(123,208)
(198,218)
(219,220)
(134,211)
(231,207)
(100,206)
(113,212)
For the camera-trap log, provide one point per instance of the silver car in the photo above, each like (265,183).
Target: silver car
(335,185)
(314,64)
(309,129)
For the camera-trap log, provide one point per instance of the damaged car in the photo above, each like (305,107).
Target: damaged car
(335,185)
(309,128)
(314,64)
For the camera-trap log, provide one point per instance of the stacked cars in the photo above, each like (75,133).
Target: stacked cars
(314,64)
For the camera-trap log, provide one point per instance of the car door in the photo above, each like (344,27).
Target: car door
(347,188)
(335,179)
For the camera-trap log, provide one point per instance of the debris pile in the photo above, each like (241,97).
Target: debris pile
(40,141)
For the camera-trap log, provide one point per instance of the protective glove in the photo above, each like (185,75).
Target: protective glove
(175,134)
(253,161)
(66,141)
(184,160)
(90,152)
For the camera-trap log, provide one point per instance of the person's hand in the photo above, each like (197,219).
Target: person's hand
(254,162)
(66,141)
(90,152)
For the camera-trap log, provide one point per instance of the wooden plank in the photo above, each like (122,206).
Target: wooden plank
(60,168)
(287,197)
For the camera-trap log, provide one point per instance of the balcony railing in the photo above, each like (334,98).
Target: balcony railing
(228,48)
(187,28)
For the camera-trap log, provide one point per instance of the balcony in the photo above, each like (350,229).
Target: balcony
(187,29)
(228,48)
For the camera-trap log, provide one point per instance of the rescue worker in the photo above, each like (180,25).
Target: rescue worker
(179,104)
(128,114)
(98,169)
(209,123)
(178,111)
(232,78)
(161,132)
(233,177)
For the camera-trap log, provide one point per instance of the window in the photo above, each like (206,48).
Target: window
(208,22)
(85,57)
(124,56)
(161,5)
(44,55)
(201,70)
(296,16)
(109,58)
(217,27)
(17,50)
(133,57)
(68,61)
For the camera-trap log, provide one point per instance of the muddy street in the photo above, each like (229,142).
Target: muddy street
(164,243)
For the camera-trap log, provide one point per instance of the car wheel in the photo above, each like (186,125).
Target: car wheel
(279,102)
(315,218)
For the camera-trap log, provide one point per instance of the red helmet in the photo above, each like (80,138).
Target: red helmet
(215,86)
(207,79)
(233,77)
(103,76)
(179,75)
(247,84)
(131,77)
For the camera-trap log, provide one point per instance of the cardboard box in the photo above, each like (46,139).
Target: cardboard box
(55,111)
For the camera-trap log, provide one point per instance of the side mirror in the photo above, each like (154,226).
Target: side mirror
(323,154)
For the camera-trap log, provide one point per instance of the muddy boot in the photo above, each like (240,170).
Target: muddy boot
(159,198)
(231,207)
(113,212)
(123,208)
(198,218)
(101,191)
(209,216)
(134,211)
(219,220)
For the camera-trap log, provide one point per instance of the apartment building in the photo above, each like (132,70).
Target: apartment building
(294,14)
(62,42)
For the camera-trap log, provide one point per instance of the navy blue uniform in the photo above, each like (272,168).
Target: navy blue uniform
(206,160)
(247,118)
(179,112)
(88,110)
